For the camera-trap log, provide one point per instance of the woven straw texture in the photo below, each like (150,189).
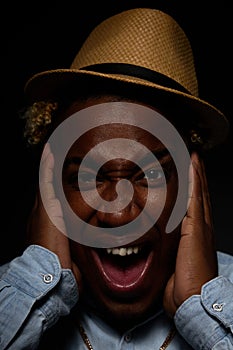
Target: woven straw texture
(146,38)
(130,37)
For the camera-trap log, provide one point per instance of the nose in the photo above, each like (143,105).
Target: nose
(125,206)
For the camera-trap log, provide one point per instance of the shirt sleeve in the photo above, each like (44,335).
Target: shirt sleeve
(206,321)
(33,296)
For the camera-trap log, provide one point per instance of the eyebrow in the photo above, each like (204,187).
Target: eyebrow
(150,157)
(77,160)
(90,162)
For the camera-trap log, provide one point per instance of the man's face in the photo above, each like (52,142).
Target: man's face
(124,284)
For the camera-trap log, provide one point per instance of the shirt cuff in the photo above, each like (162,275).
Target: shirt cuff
(34,292)
(204,320)
(58,304)
(34,273)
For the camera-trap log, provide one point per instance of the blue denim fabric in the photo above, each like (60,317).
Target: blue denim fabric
(206,320)
(38,300)
(28,304)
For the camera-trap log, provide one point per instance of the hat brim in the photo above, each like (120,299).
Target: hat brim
(49,84)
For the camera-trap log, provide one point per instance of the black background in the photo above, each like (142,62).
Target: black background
(43,35)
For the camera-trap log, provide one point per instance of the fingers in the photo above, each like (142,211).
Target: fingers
(199,205)
(206,196)
(50,201)
(195,208)
(46,174)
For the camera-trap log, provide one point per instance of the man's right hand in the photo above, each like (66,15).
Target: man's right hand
(41,229)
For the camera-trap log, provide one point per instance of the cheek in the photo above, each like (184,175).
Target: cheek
(155,201)
(160,201)
(77,203)
(81,257)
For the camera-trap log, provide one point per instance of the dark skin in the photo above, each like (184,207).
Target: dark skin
(181,261)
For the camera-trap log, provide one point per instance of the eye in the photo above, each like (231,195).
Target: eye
(84,180)
(153,177)
(86,177)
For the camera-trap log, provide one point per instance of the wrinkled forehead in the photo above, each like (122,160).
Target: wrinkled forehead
(119,120)
(120,141)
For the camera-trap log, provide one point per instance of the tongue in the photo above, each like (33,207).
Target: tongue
(123,270)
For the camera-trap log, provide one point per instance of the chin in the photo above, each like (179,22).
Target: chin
(125,314)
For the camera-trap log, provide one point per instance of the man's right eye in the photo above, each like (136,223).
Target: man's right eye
(84,180)
(86,177)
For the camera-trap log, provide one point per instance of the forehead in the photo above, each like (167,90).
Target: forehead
(124,107)
(104,118)
(99,118)
(115,141)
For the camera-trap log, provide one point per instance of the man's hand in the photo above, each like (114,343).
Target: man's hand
(41,228)
(196,257)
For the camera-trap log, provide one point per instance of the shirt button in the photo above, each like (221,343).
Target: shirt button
(47,278)
(217,307)
(128,337)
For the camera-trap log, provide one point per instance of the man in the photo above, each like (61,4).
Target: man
(121,247)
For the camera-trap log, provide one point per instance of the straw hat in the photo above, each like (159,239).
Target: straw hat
(144,47)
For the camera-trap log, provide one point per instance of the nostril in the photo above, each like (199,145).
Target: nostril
(108,191)
(118,200)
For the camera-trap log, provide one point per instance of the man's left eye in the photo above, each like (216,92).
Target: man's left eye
(153,175)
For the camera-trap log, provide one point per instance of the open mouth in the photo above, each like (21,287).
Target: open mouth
(123,268)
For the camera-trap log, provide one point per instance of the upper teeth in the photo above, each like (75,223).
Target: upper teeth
(122,251)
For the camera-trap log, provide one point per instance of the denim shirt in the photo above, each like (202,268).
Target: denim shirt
(38,301)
